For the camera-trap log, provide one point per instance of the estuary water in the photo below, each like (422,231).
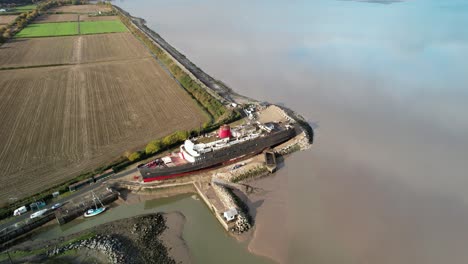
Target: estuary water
(206,238)
(384,86)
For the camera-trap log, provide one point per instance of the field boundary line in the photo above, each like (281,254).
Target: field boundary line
(35,66)
(79,30)
(72,64)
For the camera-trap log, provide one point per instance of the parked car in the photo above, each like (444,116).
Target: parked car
(56,206)
(238,166)
(37,205)
(38,213)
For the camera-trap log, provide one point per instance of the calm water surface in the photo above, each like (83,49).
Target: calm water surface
(386,88)
(207,240)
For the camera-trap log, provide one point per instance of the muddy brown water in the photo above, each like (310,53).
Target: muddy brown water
(384,87)
(205,237)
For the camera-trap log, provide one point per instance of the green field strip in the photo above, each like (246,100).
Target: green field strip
(54,29)
(49,30)
(24,8)
(98,27)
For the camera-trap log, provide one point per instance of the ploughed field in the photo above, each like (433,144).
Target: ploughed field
(50,18)
(69,50)
(92,98)
(80,9)
(56,18)
(4,20)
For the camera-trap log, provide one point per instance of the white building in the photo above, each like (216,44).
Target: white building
(230,214)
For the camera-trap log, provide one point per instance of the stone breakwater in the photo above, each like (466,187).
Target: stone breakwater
(111,246)
(133,240)
(242,222)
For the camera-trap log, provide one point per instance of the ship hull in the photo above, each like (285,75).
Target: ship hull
(219,157)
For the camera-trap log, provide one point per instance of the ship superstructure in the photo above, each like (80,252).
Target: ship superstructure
(228,146)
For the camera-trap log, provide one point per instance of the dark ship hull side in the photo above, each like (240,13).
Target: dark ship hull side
(218,157)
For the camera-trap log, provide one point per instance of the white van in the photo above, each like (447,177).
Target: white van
(20,211)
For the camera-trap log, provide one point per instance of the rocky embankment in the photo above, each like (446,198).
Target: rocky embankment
(109,245)
(133,240)
(242,222)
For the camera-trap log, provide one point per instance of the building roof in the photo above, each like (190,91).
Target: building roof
(230,214)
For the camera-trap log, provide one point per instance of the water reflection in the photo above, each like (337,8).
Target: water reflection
(200,227)
(385,181)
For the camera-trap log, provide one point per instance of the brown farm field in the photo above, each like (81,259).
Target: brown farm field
(36,51)
(97,18)
(7,19)
(70,50)
(56,18)
(105,47)
(60,121)
(80,9)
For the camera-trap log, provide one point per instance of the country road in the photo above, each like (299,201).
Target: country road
(64,200)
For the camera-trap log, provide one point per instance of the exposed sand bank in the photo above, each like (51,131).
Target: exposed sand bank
(172,237)
(269,209)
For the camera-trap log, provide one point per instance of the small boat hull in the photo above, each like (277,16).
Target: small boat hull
(94,212)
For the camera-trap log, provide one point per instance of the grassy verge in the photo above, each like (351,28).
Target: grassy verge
(24,8)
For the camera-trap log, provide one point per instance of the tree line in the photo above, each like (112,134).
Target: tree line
(20,22)
(25,18)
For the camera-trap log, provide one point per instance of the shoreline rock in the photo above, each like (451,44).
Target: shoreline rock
(140,239)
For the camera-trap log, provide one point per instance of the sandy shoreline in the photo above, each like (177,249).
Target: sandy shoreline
(172,237)
(270,235)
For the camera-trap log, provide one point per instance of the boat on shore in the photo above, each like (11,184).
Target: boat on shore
(229,146)
(96,210)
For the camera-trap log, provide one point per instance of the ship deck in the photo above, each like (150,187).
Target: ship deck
(175,161)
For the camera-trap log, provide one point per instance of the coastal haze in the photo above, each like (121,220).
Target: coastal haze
(384,86)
